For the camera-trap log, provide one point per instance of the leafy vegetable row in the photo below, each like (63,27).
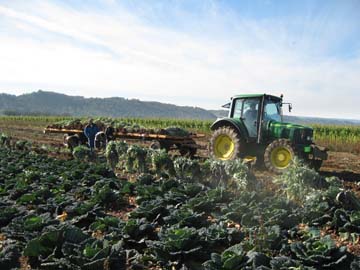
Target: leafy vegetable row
(176,214)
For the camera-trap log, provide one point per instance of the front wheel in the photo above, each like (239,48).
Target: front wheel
(225,144)
(279,155)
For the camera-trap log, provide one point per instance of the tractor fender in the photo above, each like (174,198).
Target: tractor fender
(236,124)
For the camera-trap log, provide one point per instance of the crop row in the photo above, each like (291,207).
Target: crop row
(179,214)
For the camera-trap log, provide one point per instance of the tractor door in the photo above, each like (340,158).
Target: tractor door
(247,109)
(250,115)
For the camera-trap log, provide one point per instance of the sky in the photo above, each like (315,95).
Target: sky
(196,53)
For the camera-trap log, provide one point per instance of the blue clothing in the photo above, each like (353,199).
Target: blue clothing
(90,132)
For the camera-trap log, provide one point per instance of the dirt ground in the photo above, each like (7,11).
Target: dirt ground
(344,165)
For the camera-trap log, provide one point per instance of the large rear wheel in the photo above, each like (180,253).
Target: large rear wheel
(279,155)
(225,143)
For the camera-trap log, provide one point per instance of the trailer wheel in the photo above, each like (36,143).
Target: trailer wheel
(225,144)
(278,155)
(100,140)
(155,145)
(71,141)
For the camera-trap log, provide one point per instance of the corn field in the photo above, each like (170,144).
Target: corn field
(338,138)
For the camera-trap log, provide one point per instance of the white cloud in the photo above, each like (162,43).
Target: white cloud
(91,53)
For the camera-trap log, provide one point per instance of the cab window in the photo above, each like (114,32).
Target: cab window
(272,111)
(251,108)
(237,108)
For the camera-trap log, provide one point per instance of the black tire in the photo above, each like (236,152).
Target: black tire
(225,144)
(165,145)
(71,141)
(155,145)
(100,140)
(279,155)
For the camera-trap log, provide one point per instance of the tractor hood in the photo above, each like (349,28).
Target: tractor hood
(295,133)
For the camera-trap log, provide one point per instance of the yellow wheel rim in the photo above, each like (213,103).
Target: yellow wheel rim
(224,147)
(281,157)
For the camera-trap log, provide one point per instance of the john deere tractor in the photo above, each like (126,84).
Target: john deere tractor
(255,128)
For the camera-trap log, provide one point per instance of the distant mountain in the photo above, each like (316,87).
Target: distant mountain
(323,121)
(301,119)
(51,103)
(219,113)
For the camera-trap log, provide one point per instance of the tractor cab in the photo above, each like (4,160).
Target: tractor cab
(255,111)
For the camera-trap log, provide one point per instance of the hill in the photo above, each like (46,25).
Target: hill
(51,103)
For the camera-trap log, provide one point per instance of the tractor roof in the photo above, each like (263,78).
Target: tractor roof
(254,96)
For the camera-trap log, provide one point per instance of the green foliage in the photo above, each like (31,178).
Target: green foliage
(161,162)
(136,159)
(4,140)
(90,251)
(33,223)
(338,137)
(71,214)
(298,181)
(145,179)
(42,245)
(187,168)
(175,243)
(231,173)
(27,199)
(122,148)
(22,145)
(238,172)
(7,214)
(108,197)
(232,258)
(82,153)
(323,251)
(112,155)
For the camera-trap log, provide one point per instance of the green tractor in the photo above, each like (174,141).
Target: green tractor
(255,128)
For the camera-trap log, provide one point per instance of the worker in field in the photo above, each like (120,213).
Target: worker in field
(251,112)
(250,117)
(90,132)
(109,132)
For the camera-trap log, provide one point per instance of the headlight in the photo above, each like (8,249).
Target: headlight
(309,138)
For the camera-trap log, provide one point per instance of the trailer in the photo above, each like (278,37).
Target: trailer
(186,145)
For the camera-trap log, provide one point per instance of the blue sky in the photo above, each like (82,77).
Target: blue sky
(196,53)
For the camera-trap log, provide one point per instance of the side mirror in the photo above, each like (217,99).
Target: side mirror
(290,107)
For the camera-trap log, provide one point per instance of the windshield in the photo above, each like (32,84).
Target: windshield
(272,111)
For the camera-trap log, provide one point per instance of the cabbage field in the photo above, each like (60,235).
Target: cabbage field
(158,211)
